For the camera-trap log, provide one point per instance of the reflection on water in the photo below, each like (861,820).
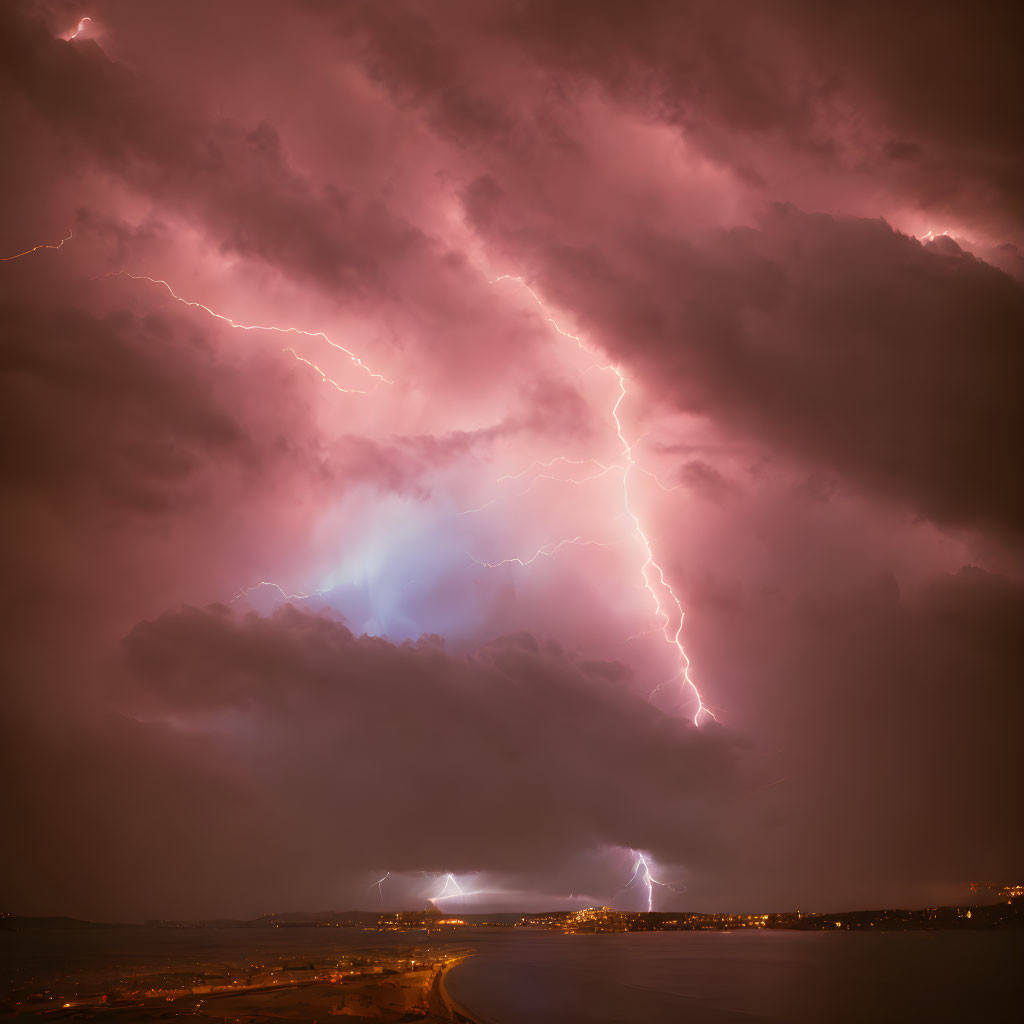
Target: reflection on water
(718,977)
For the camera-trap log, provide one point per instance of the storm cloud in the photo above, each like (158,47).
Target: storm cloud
(406,371)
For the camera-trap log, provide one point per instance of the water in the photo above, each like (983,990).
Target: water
(525,977)
(719,977)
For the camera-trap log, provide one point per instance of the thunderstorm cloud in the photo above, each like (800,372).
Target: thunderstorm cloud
(403,365)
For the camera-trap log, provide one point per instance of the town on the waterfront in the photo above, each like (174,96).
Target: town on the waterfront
(383,984)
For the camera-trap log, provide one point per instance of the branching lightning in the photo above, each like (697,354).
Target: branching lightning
(652,571)
(353,358)
(642,874)
(445,894)
(452,890)
(667,605)
(380,886)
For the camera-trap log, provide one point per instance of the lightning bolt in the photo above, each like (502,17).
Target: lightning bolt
(36,248)
(602,471)
(380,886)
(551,462)
(275,586)
(652,571)
(645,877)
(548,550)
(667,605)
(444,894)
(78,29)
(353,358)
(452,890)
(323,374)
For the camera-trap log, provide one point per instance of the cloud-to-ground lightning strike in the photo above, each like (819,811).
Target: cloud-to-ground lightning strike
(380,886)
(353,358)
(444,894)
(645,878)
(452,890)
(36,248)
(655,582)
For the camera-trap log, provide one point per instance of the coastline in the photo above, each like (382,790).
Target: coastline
(456,1010)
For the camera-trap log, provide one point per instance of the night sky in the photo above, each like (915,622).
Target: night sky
(562,319)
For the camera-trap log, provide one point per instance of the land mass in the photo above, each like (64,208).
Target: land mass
(1006,913)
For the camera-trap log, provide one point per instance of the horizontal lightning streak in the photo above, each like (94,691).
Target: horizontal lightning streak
(457,891)
(547,465)
(461,892)
(284,593)
(444,894)
(569,480)
(36,248)
(603,471)
(548,550)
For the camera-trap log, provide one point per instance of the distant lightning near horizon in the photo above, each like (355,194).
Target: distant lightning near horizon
(645,878)
(457,891)
(379,884)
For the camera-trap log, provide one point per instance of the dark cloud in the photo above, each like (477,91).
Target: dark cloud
(796,90)
(312,746)
(741,215)
(232,177)
(840,339)
(894,717)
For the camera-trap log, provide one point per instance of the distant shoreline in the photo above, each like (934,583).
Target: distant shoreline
(1008,913)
